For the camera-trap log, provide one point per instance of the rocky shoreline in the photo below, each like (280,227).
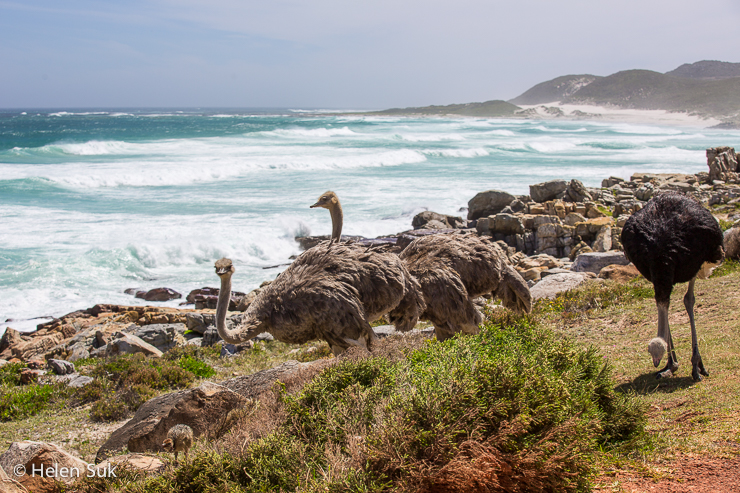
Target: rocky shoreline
(562,230)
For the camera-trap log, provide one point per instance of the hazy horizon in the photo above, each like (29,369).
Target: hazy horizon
(335,55)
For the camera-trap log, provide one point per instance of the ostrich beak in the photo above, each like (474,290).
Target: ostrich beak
(317,204)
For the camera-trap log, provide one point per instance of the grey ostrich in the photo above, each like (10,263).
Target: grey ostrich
(453,270)
(732,243)
(673,239)
(331,292)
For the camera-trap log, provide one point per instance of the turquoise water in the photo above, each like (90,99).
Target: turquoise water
(94,202)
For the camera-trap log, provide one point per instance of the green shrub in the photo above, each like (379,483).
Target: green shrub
(729,266)
(10,374)
(109,408)
(198,368)
(23,401)
(595,297)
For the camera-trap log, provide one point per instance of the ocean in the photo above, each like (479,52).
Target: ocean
(95,202)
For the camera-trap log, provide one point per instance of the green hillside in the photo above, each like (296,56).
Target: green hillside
(645,89)
(707,69)
(555,90)
(485,109)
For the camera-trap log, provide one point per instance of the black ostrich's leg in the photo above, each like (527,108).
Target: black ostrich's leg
(697,365)
(664,332)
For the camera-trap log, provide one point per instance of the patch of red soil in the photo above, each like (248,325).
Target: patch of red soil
(682,475)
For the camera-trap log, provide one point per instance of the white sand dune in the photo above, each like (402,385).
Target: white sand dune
(612,114)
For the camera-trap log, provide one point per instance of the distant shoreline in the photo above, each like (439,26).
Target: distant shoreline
(568,112)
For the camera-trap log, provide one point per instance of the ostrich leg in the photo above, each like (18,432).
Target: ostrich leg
(664,332)
(698,366)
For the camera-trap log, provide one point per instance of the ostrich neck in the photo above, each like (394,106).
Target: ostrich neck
(337,218)
(244,330)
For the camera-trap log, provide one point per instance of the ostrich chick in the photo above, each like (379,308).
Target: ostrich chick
(179,439)
(673,239)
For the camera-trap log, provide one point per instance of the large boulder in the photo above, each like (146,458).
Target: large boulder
(577,191)
(550,286)
(61,367)
(595,261)
(251,386)
(201,408)
(507,224)
(159,294)
(36,347)
(488,203)
(723,164)
(549,190)
(434,220)
(31,456)
(10,338)
(162,336)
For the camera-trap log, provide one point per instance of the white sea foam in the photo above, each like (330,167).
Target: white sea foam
(474,152)
(311,132)
(432,137)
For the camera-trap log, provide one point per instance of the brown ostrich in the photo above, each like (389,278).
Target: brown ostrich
(673,239)
(453,270)
(331,292)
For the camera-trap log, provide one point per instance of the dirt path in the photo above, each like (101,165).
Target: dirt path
(683,475)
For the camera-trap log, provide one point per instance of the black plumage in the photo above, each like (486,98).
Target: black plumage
(673,239)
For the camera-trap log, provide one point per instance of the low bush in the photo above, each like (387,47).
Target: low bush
(515,408)
(595,296)
(728,267)
(10,374)
(198,368)
(27,400)
(123,383)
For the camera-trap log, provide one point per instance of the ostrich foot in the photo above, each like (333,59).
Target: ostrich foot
(668,371)
(698,371)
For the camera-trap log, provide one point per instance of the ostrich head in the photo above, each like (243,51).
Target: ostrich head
(168,445)
(328,200)
(224,267)
(657,347)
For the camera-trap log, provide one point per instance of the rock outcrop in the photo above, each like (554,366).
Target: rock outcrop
(488,202)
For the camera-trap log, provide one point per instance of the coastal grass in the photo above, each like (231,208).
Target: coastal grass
(515,403)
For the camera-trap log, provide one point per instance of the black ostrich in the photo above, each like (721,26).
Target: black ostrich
(673,239)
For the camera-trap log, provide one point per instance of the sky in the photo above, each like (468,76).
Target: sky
(337,54)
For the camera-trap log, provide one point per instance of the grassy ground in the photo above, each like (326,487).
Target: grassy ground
(685,418)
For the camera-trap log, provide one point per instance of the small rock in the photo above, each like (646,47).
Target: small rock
(550,286)
(130,344)
(595,261)
(29,376)
(619,273)
(61,367)
(160,294)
